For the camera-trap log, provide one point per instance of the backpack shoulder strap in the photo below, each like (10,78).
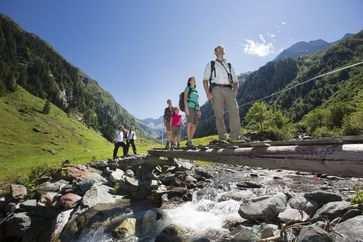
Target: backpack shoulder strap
(212,70)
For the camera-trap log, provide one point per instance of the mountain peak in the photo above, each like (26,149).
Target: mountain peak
(302,48)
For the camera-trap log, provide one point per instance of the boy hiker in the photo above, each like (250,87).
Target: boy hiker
(119,140)
(131,137)
(221,86)
(167,116)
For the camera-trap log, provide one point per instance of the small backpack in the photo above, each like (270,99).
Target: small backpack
(181,100)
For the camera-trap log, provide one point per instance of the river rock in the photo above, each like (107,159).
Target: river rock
(301,203)
(245,234)
(322,197)
(52,186)
(128,185)
(293,215)
(203,173)
(351,213)
(29,204)
(16,226)
(117,175)
(149,222)
(130,173)
(313,234)
(171,233)
(265,209)
(69,200)
(247,184)
(49,198)
(269,230)
(237,195)
(183,164)
(60,222)
(18,192)
(98,194)
(333,209)
(125,229)
(349,230)
(82,172)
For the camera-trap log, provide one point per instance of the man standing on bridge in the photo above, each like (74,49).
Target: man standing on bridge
(221,86)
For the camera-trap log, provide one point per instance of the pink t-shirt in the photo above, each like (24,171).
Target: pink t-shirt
(176,120)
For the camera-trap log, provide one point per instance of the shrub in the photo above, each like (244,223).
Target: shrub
(353,124)
(46,108)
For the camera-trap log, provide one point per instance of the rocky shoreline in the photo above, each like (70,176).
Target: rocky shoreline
(144,198)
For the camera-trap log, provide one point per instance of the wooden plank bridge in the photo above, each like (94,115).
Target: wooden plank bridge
(341,156)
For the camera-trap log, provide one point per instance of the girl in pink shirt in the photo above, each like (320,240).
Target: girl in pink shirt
(176,122)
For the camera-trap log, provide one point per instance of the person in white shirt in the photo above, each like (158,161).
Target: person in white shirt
(221,86)
(131,137)
(119,140)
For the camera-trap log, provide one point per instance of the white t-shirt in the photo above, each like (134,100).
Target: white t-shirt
(119,136)
(221,76)
(131,135)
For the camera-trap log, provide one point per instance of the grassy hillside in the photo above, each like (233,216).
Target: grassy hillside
(28,61)
(29,138)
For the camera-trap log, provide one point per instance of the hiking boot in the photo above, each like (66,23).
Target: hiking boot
(239,139)
(189,144)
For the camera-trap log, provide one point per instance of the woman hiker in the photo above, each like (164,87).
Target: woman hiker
(192,109)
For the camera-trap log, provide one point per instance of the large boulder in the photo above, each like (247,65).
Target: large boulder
(56,186)
(264,209)
(125,229)
(299,202)
(99,194)
(245,234)
(117,175)
(18,192)
(322,197)
(69,200)
(236,195)
(171,233)
(293,215)
(349,230)
(333,209)
(313,234)
(17,225)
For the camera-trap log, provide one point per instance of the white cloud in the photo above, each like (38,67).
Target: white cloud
(272,36)
(260,49)
(262,38)
(283,23)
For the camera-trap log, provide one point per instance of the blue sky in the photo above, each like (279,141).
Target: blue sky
(143,51)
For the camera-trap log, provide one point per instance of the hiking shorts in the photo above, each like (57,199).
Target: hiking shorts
(193,116)
(175,131)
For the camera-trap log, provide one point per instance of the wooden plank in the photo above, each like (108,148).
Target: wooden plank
(340,160)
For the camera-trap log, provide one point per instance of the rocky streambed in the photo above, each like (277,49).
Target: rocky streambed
(146,198)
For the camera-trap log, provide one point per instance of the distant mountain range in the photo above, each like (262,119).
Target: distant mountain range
(155,125)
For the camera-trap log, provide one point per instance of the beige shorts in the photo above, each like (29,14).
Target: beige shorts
(193,117)
(175,131)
